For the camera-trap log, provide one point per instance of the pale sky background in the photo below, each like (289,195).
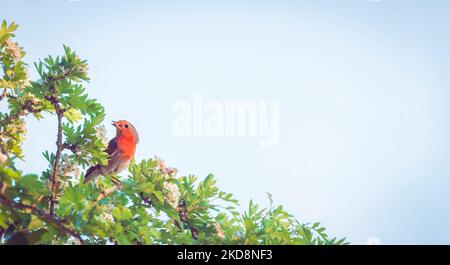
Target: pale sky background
(363,88)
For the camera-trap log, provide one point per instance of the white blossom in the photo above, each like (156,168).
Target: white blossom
(73,241)
(171,194)
(219,231)
(107,217)
(100,133)
(12,46)
(168,172)
(17,128)
(69,167)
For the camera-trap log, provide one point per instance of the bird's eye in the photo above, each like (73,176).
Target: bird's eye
(126,125)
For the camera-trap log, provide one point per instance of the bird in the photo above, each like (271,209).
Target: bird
(121,150)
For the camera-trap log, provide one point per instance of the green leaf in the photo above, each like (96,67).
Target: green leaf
(159,195)
(121,213)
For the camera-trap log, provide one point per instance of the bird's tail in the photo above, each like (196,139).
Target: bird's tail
(92,173)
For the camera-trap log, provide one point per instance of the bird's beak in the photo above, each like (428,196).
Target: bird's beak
(114,123)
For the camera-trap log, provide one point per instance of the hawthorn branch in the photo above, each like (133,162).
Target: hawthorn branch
(182,210)
(59,147)
(55,78)
(72,147)
(28,107)
(118,186)
(11,117)
(107,192)
(42,215)
(145,199)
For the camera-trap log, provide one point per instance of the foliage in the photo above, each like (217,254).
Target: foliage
(152,206)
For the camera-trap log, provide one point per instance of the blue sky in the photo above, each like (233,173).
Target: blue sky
(363,89)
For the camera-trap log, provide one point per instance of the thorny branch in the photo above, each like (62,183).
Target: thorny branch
(59,147)
(41,214)
(72,147)
(182,210)
(28,107)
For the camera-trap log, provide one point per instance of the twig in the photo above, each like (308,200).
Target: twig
(59,147)
(3,187)
(11,117)
(145,199)
(41,214)
(28,106)
(109,191)
(4,94)
(72,147)
(177,224)
(56,165)
(194,233)
(182,210)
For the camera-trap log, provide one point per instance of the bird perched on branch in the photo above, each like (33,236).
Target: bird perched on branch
(121,151)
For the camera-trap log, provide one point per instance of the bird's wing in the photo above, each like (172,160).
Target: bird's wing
(97,170)
(112,148)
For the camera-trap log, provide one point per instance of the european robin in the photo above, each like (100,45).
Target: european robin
(120,149)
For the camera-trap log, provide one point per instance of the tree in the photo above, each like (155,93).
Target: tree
(152,206)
